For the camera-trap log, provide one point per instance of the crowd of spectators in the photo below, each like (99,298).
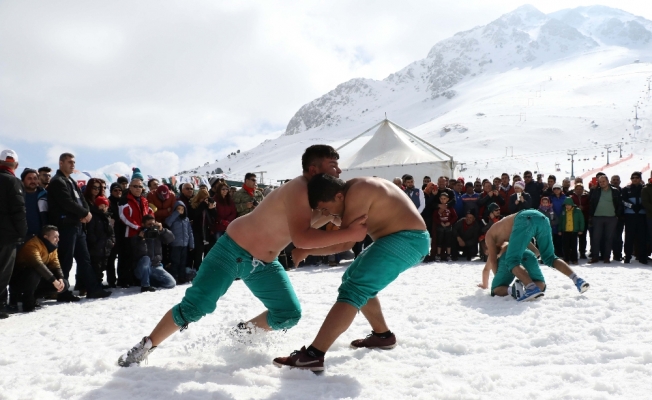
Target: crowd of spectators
(139,233)
(155,235)
(459,213)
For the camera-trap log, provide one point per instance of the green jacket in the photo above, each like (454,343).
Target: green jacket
(578,220)
(646,199)
(241,198)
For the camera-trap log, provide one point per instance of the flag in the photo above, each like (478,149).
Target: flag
(108,178)
(88,174)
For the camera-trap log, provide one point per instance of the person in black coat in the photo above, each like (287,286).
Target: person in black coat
(119,233)
(466,232)
(605,208)
(533,188)
(13,219)
(68,210)
(520,200)
(100,236)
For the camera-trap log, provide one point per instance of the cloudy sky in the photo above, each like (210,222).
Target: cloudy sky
(169,85)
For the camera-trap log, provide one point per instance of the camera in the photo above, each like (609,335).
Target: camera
(150,233)
(255,202)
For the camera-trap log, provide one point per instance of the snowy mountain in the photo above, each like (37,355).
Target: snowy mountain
(494,86)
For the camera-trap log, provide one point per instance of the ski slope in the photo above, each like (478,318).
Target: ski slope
(455,342)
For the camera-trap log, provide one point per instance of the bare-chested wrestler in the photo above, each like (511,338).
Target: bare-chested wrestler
(527,272)
(249,251)
(519,229)
(400,242)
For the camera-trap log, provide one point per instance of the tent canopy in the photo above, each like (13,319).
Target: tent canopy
(394,151)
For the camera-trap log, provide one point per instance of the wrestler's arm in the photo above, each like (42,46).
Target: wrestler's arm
(299,217)
(320,219)
(533,248)
(492,258)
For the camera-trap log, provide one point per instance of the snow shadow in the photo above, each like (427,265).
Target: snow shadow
(493,306)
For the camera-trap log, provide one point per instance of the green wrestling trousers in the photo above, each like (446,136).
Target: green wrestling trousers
(530,224)
(380,264)
(504,275)
(226,261)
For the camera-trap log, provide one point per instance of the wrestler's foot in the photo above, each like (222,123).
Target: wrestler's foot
(301,359)
(138,353)
(517,289)
(581,285)
(375,341)
(531,294)
(241,333)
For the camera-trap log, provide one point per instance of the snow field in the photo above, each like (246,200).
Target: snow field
(455,342)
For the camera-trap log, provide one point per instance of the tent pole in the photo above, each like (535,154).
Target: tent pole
(359,135)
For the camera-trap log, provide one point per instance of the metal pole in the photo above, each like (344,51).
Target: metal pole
(572,153)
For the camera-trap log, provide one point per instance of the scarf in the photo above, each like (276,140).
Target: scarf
(48,245)
(248,190)
(5,168)
(506,188)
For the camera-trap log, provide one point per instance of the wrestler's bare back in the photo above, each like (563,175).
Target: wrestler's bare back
(265,232)
(500,231)
(388,209)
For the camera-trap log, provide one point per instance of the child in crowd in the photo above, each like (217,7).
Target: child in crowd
(183,240)
(100,237)
(546,208)
(443,221)
(571,225)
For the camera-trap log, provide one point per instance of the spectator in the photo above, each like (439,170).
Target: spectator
(124,183)
(442,186)
(232,191)
(38,272)
(115,193)
(617,243)
(164,202)
(247,198)
(35,203)
(488,196)
(415,194)
(635,220)
(552,180)
(68,210)
(187,191)
(202,214)
(520,200)
(458,191)
(147,247)
(581,199)
(183,242)
(44,175)
(224,208)
(606,207)
(477,186)
(92,191)
(571,224)
(466,232)
(443,220)
(493,216)
(646,201)
(546,209)
(497,181)
(214,181)
(13,220)
(533,188)
(131,209)
(565,187)
(516,178)
(470,199)
(426,181)
(152,185)
(505,191)
(557,200)
(100,237)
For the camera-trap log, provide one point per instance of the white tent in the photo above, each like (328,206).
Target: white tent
(394,151)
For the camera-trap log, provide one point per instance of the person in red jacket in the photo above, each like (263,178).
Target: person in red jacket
(442,222)
(581,199)
(133,207)
(163,201)
(225,207)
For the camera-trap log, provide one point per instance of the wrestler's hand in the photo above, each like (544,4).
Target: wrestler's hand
(299,255)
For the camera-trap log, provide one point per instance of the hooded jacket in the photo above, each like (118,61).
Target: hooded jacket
(162,206)
(578,217)
(180,226)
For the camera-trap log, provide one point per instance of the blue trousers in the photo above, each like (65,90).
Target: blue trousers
(72,245)
(153,275)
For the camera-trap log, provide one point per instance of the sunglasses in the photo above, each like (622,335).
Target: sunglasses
(136,187)
(96,188)
(117,190)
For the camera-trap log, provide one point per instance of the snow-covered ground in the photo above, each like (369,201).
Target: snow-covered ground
(455,341)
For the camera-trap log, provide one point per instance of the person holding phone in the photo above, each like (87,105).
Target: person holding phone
(519,200)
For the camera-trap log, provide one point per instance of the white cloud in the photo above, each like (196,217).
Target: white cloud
(54,152)
(161,163)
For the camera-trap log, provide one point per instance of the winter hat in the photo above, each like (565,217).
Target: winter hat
(123,179)
(163,192)
(520,184)
(113,186)
(213,181)
(557,186)
(137,174)
(569,202)
(545,198)
(99,200)
(493,207)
